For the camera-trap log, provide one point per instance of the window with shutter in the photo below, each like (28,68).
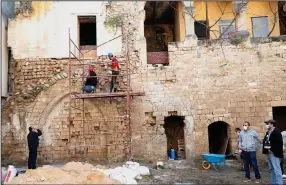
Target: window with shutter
(225,30)
(260,26)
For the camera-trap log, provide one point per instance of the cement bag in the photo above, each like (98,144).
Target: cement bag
(131,165)
(4,173)
(12,171)
(124,175)
(143,170)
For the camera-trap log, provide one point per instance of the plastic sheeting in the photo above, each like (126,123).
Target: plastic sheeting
(128,174)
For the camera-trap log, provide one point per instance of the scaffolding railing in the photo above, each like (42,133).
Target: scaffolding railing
(74,104)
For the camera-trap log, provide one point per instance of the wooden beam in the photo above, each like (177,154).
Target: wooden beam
(105,95)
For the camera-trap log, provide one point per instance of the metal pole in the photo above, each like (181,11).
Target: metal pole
(80,55)
(128,96)
(70,99)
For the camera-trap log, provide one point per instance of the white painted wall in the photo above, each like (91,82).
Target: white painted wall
(4,57)
(46,35)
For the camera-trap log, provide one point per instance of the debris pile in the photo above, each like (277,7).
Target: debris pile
(78,173)
(71,173)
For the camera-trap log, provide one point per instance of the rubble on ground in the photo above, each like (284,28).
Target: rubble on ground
(79,173)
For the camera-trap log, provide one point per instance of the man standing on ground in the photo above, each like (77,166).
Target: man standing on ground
(115,71)
(33,143)
(249,141)
(273,148)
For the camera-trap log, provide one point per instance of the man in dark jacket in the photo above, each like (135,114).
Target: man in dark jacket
(33,143)
(273,148)
(91,81)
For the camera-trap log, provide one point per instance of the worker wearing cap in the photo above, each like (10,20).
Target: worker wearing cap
(273,148)
(91,81)
(115,71)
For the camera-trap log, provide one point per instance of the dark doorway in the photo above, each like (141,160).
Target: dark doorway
(282,17)
(219,138)
(201,29)
(161,26)
(174,130)
(87,30)
(279,115)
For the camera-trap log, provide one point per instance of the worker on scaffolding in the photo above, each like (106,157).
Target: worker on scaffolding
(115,71)
(91,81)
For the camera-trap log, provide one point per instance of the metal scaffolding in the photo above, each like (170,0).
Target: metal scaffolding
(77,100)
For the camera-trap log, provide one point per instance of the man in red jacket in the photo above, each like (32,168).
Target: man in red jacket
(115,71)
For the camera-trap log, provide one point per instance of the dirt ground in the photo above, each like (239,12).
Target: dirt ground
(230,175)
(180,173)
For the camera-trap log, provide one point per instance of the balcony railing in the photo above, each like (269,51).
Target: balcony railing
(160,57)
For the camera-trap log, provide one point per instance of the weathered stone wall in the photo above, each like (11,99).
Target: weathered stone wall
(41,100)
(210,83)
(205,83)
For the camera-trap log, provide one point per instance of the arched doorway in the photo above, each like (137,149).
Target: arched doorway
(219,138)
(174,130)
(164,23)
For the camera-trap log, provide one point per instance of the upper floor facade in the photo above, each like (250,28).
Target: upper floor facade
(44,30)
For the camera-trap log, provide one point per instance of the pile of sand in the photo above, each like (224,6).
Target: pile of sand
(71,173)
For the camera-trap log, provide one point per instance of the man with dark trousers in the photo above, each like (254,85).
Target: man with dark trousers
(273,148)
(33,144)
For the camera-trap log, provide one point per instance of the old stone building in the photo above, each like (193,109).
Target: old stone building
(195,92)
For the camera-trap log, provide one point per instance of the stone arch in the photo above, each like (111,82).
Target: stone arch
(219,136)
(45,114)
(51,105)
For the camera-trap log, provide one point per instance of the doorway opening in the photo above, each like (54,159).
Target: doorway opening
(279,115)
(163,24)
(87,35)
(219,138)
(174,130)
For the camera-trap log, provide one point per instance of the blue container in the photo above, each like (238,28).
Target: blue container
(172,154)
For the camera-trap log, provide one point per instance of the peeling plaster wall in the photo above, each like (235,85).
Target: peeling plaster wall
(44,32)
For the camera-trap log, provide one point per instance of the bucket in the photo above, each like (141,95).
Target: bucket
(10,174)
(172,154)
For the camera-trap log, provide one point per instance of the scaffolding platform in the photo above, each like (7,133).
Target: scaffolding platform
(77,99)
(105,95)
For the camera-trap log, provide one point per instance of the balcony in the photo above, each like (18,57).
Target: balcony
(160,57)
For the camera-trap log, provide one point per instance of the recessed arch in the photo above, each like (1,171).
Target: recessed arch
(219,137)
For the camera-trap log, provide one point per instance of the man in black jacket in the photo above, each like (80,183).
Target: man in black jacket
(273,148)
(33,143)
(91,81)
